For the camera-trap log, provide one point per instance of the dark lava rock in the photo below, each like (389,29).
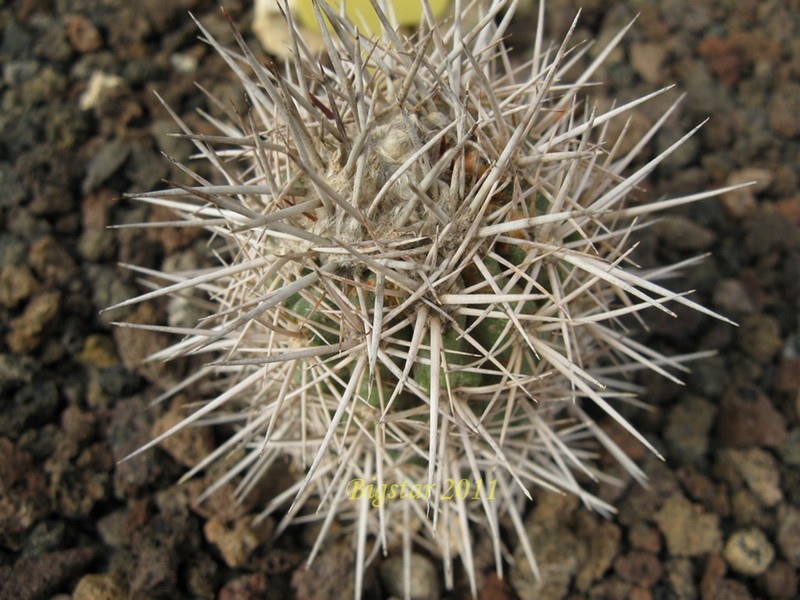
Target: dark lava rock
(36,577)
(23,496)
(33,405)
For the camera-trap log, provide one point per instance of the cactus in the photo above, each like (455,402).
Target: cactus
(424,268)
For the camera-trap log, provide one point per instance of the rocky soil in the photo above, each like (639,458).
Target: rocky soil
(80,126)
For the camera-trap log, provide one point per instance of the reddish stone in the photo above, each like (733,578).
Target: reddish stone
(248,587)
(642,568)
(82,34)
(780,580)
(788,379)
(748,418)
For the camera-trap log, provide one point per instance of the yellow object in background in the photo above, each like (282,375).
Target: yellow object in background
(407,12)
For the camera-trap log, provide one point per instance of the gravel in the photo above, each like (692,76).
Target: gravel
(80,127)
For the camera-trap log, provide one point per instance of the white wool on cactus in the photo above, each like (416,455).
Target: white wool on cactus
(424,271)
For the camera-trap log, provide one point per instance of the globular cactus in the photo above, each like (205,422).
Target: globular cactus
(424,268)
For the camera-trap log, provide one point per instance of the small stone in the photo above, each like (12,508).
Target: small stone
(759,470)
(13,190)
(183,62)
(201,577)
(51,261)
(641,568)
(749,552)
(644,537)
(648,60)
(32,405)
(177,148)
(41,576)
(742,202)
(99,84)
(424,581)
(99,587)
(789,535)
(82,34)
(16,284)
(790,451)
(688,530)
(77,487)
(684,234)
(783,110)
(789,209)
(680,579)
(45,536)
(98,352)
(24,495)
(238,539)
(329,576)
(748,418)
(697,484)
(105,163)
(494,588)
(27,329)
(688,427)
(731,298)
(559,552)
(145,168)
(189,445)
(745,508)
(788,378)
(97,246)
(722,59)
(79,425)
(155,572)
(15,371)
(128,430)
(604,540)
(135,345)
(246,587)
(780,581)
(111,528)
(760,337)
(768,232)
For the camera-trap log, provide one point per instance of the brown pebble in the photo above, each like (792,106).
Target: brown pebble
(642,568)
(714,585)
(639,593)
(788,537)
(33,577)
(247,587)
(749,552)
(780,581)
(748,418)
(644,537)
(24,498)
(788,377)
(189,445)
(51,261)
(27,329)
(760,337)
(789,209)
(99,586)
(239,539)
(16,284)
(687,528)
(494,588)
(82,34)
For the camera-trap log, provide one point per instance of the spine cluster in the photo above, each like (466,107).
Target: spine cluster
(424,276)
